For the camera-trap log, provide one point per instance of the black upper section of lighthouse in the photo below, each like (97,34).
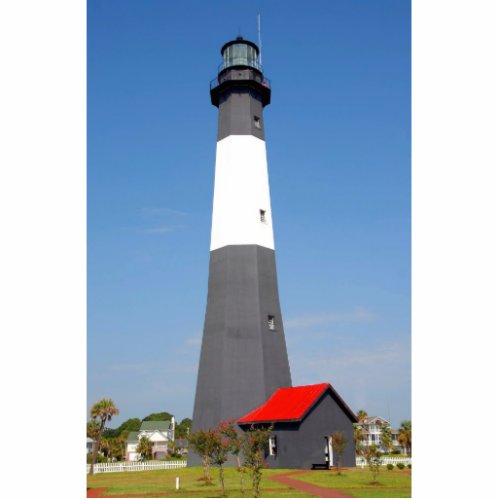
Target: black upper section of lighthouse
(240,91)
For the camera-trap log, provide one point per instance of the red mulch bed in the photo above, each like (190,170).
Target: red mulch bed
(95,492)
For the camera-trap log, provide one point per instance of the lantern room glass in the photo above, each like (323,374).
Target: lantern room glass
(240,54)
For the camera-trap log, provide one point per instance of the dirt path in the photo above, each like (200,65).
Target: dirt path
(317,491)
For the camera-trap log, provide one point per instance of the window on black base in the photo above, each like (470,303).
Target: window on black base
(256,122)
(271,323)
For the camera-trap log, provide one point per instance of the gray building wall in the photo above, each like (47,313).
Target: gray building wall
(301,444)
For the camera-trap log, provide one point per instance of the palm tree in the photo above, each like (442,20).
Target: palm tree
(359,437)
(120,446)
(386,438)
(101,412)
(106,447)
(145,448)
(404,436)
(361,416)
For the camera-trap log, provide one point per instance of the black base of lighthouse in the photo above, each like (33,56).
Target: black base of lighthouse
(243,355)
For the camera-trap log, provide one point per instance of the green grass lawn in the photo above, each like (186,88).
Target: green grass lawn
(356,482)
(161,484)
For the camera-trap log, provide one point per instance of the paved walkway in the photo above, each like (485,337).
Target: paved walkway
(317,491)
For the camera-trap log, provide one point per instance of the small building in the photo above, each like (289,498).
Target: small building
(160,433)
(303,420)
(373,427)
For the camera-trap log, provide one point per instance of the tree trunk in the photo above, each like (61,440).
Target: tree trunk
(97,446)
(221,478)
(240,471)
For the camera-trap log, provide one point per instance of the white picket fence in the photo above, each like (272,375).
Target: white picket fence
(361,461)
(135,466)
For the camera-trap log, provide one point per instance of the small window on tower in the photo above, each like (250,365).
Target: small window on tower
(271,323)
(262,216)
(256,121)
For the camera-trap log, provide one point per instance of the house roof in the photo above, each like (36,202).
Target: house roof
(156,425)
(132,437)
(292,404)
(371,420)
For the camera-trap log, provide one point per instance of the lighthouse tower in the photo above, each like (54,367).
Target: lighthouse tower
(243,354)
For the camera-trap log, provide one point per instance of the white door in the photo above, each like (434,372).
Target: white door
(329,451)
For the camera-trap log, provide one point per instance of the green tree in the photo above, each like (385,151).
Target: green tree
(359,437)
(183,427)
(158,417)
(145,448)
(105,447)
(255,442)
(130,425)
(174,450)
(339,442)
(361,416)
(202,444)
(117,447)
(404,436)
(219,448)
(372,456)
(92,429)
(101,412)
(229,430)
(386,438)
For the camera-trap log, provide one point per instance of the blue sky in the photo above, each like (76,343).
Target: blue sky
(338,140)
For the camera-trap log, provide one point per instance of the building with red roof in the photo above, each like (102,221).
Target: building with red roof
(303,419)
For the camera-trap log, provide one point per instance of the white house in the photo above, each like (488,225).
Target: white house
(372,431)
(160,433)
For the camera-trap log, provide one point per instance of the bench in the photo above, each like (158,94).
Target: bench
(323,466)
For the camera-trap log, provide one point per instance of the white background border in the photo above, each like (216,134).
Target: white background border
(455,247)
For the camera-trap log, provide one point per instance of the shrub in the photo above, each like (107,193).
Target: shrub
(372,456)
(396,452)
(409,466)
(254,443)
(400,465)
(99,459)
(390,466)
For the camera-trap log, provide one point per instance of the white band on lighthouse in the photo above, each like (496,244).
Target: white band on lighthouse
(242,203)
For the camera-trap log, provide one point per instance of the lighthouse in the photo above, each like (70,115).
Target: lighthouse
(243,357)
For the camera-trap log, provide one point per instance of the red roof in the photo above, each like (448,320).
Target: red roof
(290,403)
